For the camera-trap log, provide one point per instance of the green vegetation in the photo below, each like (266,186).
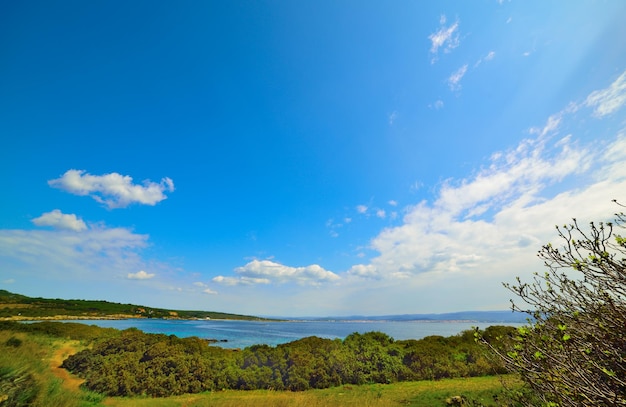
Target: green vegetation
(481,391)
(139,364)
(27,362)
(574,352)
(16,306)
(30,356)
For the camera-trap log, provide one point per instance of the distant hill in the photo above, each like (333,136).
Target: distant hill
(17,306)
(477,316)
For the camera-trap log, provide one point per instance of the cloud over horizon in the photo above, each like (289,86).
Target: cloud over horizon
(502,214)
(267,272)
(98,252)
(140,275)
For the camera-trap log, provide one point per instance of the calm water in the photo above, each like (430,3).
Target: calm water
(240,334)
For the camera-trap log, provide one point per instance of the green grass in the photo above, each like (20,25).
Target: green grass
(26,374)
(424,393)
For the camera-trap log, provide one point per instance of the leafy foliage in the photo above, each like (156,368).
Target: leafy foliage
(136,363)
(573,353)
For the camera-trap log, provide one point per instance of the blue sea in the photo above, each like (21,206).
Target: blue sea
(240,334)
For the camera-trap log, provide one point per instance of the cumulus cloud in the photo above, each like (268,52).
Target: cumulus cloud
(59,220)
(266,272)
(113,190)
(362,209)
(454,81)
(140,275)
(481,224)
(609,100)
(446,38)
(491,224)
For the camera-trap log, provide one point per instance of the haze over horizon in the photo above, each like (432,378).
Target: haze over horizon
(303,158)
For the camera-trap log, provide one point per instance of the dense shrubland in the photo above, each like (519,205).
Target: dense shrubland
(135,363)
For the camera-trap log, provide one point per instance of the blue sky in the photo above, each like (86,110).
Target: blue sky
(303,158)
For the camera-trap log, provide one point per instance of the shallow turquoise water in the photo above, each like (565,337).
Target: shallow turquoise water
(240,334)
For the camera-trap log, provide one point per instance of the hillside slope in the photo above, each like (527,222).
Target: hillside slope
(20,307)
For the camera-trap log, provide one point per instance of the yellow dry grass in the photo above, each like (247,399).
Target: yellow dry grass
(425,393)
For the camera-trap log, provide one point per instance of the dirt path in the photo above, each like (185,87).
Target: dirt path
(70,382)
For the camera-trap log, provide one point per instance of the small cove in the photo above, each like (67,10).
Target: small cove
(240,334)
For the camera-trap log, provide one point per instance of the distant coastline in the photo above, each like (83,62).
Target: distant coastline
(17,307)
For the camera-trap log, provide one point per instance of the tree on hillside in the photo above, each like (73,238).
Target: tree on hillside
(573,351)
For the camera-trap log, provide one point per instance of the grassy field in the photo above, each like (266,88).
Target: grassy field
(423,393)
(30,374)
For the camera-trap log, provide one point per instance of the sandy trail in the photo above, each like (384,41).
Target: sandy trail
(70,381)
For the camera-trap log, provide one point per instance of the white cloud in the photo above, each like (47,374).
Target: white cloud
(552,124)
(366,271)
(437,105)
(486,228)
(59,220)
(140,275)
(446,38)
(240,280)
(393,202)
(487,57)
(609,100)
(361,209)
(450,237)
(113,190)
(455,79)
(392,118)
(266,272)
(99,252)
(205,288)
(381,213)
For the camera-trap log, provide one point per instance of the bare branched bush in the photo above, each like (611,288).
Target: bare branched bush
(573,351)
